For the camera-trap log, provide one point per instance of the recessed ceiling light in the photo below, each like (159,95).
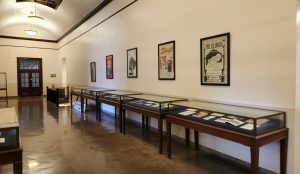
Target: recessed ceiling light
(31,32)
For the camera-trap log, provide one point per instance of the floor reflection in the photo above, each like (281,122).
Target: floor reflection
(56,142)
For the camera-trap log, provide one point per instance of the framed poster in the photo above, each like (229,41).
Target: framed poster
(166,61)
(215,60)
(109,67)
(93,71)
(132,66)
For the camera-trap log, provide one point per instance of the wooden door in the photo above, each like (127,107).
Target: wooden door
(30,77)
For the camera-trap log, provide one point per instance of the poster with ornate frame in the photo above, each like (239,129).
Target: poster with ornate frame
(132,63)
(109,67)
(215,60)
(166,61)
(93,71)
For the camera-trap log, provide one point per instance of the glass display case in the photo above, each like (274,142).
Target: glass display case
(237,118)
(78,89)
(92,91)
(117,96)
(58,95)
(155,103)
(9,129)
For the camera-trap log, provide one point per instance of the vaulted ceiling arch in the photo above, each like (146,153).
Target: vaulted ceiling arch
(14,17)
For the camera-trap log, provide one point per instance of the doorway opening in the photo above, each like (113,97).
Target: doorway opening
(64,71)
(30,76)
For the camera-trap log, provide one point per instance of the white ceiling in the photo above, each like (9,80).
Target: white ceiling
(13,17)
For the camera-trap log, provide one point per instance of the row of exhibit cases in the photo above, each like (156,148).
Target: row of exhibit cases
(247,120)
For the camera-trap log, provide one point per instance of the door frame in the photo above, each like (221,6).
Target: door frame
(41,74)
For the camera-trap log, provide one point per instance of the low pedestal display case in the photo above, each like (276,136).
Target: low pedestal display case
(86,93)
(58,95)
(93,94)
(10,144)
(116,99)
(251,127)
(153,106)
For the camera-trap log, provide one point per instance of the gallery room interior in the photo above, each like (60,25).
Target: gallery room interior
(145,86)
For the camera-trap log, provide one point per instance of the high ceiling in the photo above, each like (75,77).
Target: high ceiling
(14,17)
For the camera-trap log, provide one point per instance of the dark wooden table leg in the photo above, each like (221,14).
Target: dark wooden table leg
(124,121)
(196,134)
(82,103)
(143,121)
(254,160)
(168,126)
(17,167)
(283,155)
(147,123)
(71,101)
(97,109)
(160,131)
(100,112)
(187,137)
(120,118)
(71,105)
(116,117)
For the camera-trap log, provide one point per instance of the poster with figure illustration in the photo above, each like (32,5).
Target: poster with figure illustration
(132,66)
(166,61)
(109,67)
(215,60)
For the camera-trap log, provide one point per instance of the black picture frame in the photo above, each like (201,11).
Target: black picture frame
(93,71)
(214,59)
(109,66)
(131,62)
(172,74)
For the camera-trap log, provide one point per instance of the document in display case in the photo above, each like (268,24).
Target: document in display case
(237,118)
(150,102)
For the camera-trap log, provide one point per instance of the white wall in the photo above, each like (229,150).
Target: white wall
(263,56)
(10,49)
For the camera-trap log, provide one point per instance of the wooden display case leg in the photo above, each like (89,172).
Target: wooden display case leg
(82,103)
(71,104)
(97,109)
(143,121)
(120,119)
(100,112)
(160,131)
(196,135)
(124,121)
(147,123)
(17,167)
(168,126)
(187,137)
(116,117)
(283,155)
(254,160)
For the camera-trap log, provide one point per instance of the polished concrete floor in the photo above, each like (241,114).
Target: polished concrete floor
(55,142)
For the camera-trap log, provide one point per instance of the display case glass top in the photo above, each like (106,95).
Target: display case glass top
(78,89)
(238,118)
(156,98)
(117,95)
(8,118)
(152,102)
(122,93)
(9,129)
(94,91)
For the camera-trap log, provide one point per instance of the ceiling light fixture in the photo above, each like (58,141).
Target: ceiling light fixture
(35,17)
(30,32)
